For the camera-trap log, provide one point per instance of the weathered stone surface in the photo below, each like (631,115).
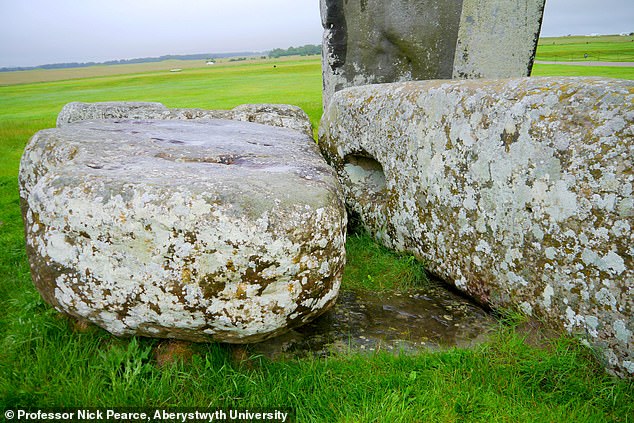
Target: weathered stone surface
(428,318)
(377,41)
(518,191)
(79,111)
(281,115)
(198,230)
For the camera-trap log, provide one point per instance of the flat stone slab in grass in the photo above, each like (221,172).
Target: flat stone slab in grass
(427,318)
(208,230)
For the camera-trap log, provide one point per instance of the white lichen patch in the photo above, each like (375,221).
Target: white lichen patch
(211,230)
(517,191)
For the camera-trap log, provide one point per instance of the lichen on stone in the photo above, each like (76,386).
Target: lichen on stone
(197,230)
(517,191)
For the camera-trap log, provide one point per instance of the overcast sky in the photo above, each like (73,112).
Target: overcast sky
(35,32)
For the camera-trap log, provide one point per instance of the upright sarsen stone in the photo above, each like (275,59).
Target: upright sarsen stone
(376,41)
(520,192)
(198,230)
(497,38)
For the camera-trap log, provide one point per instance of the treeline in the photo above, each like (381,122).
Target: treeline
(307,50)
(131,61)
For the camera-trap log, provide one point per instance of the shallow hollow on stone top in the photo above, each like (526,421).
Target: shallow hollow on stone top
(231,156)
(212,141)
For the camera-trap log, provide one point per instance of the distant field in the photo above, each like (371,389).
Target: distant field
(49,75)
(606,48)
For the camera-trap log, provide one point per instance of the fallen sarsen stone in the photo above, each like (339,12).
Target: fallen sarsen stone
(197,230)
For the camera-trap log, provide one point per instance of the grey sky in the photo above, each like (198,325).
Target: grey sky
(34,32)
(585,17)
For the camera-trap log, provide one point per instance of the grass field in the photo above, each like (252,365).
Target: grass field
(49,75)
(606,48)
(47,360)
(540,69)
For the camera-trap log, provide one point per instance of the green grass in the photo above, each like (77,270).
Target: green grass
(47,363)
(607,48)
(372,266)
(48,75)
(611,48)
(46,360)
(571,70)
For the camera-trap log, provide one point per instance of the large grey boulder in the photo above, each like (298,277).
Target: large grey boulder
(379,41)
(519,192)
(198,230)
(281,115)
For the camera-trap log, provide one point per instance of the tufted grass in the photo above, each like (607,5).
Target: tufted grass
(374,267)
(47,360)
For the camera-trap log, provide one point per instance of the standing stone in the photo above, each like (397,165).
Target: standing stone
(517,191)
(377,41)
(197,230)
